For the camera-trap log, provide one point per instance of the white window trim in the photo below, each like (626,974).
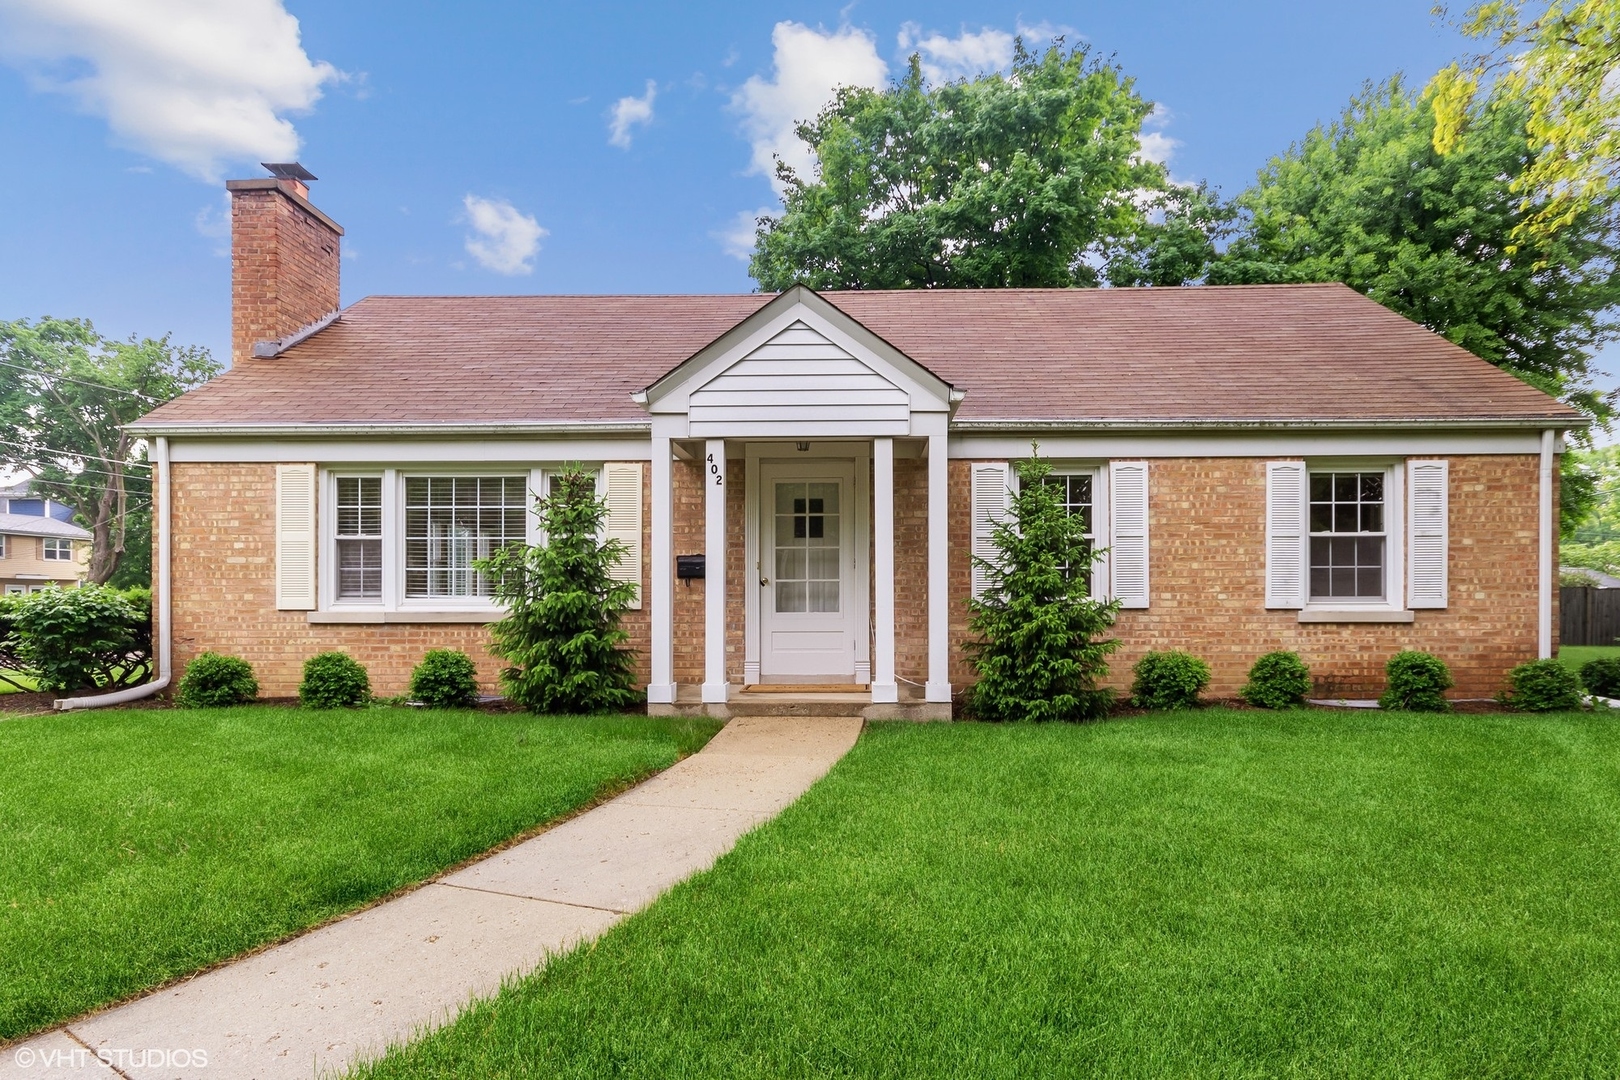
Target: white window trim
(1098,472)
(393,546)
(1394,601)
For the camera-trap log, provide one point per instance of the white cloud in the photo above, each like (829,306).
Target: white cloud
(737,238)
(810,66)
(1154,145)
(631,112)
(964,56)
(504,239)
(195,83)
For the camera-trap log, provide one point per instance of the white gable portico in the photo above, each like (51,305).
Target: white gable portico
(815,404)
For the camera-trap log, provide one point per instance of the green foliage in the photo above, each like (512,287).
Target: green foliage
(1543,686)
(1367,201)
(1038,652)
(66,396)
(1023,179)
(445,679)
(561,635)
(1417,682)
(1602,676)
(1168,680)
(215,680)
(334,680)
(1278,680)
(1590,487)
(80,639)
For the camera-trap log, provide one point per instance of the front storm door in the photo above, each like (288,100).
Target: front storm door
(807,573)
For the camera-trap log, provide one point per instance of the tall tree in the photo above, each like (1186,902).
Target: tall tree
(66,394)
(1033,178)
(1560,64)
(1368,201)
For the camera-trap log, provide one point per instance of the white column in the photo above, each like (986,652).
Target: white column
(714,571)
(939,599)
(883,685)
(1549,580)
(661,599)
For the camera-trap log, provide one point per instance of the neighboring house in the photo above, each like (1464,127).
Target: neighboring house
(1270,467)
(39,544)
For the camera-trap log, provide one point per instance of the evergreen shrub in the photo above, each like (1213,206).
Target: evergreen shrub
(1278,680)
(1168,680)
(1039,651)
(214,680)
(445,679)
(1543,686)
(334,680)
(1416,681)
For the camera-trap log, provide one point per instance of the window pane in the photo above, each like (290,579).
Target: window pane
(824,563)
(453,521)
(1321,487)
(790,595)
(824,596)
(1344,487)
(1372,487)
(790,564)
(359,569)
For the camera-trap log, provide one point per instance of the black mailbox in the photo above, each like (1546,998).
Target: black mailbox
(689,566)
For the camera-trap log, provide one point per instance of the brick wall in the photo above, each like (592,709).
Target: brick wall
(224,593)
(1207,581)
(284,267)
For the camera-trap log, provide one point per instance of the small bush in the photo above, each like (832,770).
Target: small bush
(1278,680)
(445,679)
(212,680)
(76,639)
(334,680)
(1417,682)
(1168,680)
(1543,686)
(1602,676)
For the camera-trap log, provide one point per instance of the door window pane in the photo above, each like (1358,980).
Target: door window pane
(808,531)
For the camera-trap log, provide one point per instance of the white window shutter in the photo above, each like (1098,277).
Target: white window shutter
(1128,532)
(623,483)
(1427,543)
(295,537)
(990,495)
(1287,566)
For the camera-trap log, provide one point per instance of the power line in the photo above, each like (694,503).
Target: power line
(83,382)
(52,451)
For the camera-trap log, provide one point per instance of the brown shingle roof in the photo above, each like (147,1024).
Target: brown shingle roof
(1238,353)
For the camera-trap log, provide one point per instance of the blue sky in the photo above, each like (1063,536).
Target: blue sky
(474,148)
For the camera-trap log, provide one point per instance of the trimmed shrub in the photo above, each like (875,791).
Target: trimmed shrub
(445,679)
(1602,676)
(1543,686)
(1417,682)
(1278,680)
(1168,680)
(78,639)
(334,680)
(213,680)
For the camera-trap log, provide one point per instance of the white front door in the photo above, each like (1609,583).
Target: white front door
(809,620)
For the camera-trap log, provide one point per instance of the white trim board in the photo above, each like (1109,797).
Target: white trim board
(385,452)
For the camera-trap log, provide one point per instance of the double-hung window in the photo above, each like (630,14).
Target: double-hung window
(1349,545)
(1076,491)
(57,550)
(359,537)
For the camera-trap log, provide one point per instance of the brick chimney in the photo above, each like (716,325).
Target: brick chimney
(284,258)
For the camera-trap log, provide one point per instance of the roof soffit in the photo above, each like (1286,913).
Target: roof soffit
(673,392)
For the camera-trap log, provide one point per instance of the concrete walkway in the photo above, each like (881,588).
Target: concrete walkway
(347,990)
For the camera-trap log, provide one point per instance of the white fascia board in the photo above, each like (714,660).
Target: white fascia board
(1452,423)
(672,393)
(533,428)
(387,452)
(1294,443)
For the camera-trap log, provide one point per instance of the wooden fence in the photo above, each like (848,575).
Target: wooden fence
(1588,616)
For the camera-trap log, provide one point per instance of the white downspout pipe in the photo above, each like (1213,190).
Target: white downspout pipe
(161,611)
(1549,578)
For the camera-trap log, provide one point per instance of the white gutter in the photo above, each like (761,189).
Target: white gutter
(559,428)
(1344,423)
(161,609)
(1544,627)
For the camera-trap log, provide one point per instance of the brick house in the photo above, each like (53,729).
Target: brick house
(1268,467)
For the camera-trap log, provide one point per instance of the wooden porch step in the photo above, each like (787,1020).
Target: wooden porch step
(805,688)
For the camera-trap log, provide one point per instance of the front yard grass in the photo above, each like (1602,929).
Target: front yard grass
(141,845)
(1211,893)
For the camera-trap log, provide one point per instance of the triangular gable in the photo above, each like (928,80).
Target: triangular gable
(798,366)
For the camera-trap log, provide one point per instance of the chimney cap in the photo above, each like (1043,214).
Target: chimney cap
(289,170)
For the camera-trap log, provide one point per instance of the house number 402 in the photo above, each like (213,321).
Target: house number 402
(714,470)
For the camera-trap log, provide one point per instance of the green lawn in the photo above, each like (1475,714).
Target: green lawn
(1573,656)
(141,845)
(1212,894)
